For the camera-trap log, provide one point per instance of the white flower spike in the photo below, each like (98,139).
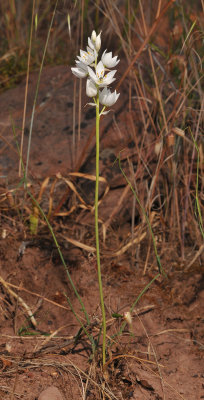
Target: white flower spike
(109,61)
(98,78)
(107,98)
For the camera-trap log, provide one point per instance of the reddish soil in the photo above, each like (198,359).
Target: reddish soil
(159,356)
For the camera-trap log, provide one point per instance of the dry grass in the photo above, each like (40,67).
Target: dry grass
(169,100)
(164,82)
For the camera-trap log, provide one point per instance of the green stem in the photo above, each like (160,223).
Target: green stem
(96,230)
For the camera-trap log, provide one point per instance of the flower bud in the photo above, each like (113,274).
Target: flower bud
(98,42)
(91,89)
(93,36)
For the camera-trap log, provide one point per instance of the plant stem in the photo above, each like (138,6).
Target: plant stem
(96,231)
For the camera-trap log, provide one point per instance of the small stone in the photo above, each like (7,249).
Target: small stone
(51,393)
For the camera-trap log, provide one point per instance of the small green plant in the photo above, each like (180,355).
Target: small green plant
(96,87)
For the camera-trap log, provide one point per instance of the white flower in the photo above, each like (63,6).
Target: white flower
(109,61)
(95,41)
(98,78)
(86,57)
(91,89)
(107,98)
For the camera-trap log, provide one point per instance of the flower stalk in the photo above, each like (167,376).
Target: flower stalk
(87,65)
(97,231)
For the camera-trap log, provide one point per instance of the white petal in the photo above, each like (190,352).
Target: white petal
(103,94)
(90,104)
(90,50)
(116,96)
(103,55)
(81,65)
(98,42)
(93,36)
(105,112)
(92,75)
(90,43)
(113,98)
(79,72)
(107,98)
(91,89)
(108,60)
(100,70)
(108,79)
(83,55)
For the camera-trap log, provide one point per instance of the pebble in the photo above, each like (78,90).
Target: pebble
(51,393)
